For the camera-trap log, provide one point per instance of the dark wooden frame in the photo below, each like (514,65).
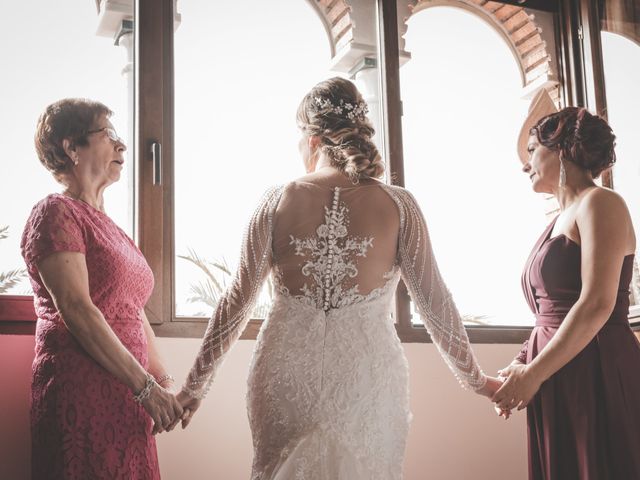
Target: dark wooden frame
(581,58)
(580,55)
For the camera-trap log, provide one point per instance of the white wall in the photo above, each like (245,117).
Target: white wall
(454,435)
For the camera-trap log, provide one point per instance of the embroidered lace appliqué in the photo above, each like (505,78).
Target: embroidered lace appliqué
(330,259)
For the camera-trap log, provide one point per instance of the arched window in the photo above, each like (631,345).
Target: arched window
(463,106)
(621,57)
(241,69)
(216,84)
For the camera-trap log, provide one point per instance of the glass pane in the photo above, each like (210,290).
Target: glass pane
(621,57)
(50,51)
(238,84)
(463,108)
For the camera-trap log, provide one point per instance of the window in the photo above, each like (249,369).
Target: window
(215,87)
(463,107)
(51,51)
(236,135)
(621,57)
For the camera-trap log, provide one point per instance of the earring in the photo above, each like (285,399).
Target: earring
(563,174)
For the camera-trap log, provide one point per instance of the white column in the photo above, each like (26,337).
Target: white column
(367,81)
(127,42)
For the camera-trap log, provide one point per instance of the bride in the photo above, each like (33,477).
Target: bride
(328,385)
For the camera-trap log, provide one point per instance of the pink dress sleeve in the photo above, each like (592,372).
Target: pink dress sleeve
(52,227)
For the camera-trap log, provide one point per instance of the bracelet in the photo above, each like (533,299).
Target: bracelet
(146,390)
(165,377)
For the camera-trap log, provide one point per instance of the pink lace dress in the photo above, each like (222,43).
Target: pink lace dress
(84,422)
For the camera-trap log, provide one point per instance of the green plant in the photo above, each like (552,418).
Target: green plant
(11,278)
(216,277)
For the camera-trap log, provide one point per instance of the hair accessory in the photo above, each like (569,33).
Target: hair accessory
(353,112)
(541,106)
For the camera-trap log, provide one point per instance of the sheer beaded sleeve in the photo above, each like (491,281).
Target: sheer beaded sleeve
(430,294)
(52,227)
(234,307)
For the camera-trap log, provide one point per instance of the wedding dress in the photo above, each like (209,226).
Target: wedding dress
(328,384)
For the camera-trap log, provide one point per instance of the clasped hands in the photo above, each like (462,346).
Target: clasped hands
(167,408)
(514,388)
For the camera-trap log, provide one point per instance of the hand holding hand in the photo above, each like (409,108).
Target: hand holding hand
(163,407)
(490,388)
(189,405)
(518,389)
(506,412)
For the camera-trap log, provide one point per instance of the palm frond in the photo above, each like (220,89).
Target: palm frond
(204,292)
(11,278)
(211,289)
(202,264)
(223,267)
(476,319)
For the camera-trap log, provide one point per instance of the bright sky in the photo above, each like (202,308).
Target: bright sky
(238,84)
(50,51)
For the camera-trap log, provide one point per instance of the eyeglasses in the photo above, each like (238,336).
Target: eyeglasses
(111,133)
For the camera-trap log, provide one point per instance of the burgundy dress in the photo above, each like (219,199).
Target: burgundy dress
(584,422)
(84,422)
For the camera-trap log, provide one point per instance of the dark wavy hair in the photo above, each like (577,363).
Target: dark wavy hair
(581,138)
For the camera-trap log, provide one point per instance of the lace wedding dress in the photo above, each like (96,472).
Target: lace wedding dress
(328,385)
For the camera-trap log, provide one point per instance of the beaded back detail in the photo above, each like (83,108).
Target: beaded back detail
(323,257)
(331,259)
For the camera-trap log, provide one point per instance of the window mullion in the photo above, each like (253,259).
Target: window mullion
(594,67)
(154,97)
(391,108)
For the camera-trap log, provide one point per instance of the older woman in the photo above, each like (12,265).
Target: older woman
(578,373)
(98,382)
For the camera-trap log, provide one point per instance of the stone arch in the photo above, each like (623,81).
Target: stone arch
(521,32)
(337,21)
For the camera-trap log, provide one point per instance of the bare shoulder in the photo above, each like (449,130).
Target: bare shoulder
(604,213)
(603,201)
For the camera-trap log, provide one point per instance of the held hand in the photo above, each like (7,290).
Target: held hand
(490,388)
(189,405)
(163,407)
(520,386)
(504,413)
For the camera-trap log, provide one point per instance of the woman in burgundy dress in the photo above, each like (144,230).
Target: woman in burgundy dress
(95,396)
(578,372)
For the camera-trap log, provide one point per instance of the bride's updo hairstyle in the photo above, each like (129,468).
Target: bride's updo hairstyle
(335,112)
(584,139)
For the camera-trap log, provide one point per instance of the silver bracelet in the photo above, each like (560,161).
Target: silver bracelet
(164,378)
(146,390)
